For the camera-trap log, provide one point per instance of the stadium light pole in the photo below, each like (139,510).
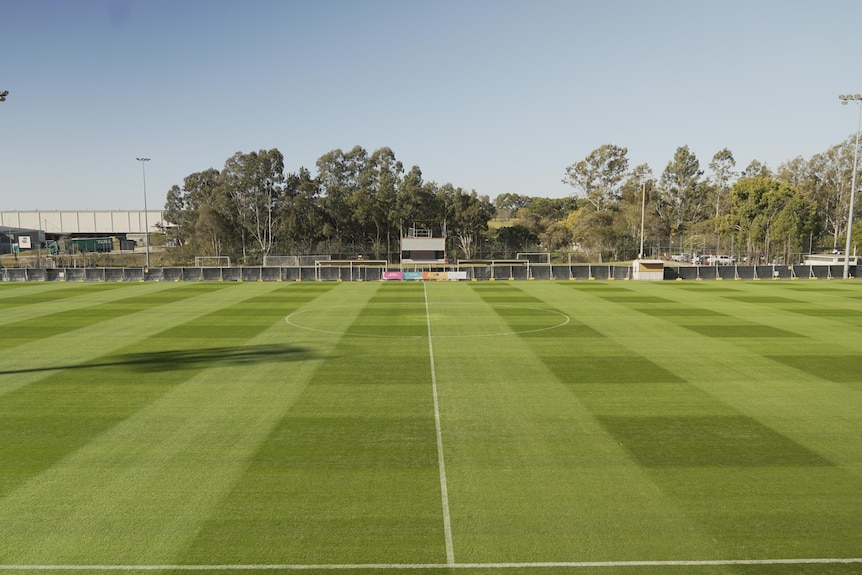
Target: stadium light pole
(643,217)
(143,162)
(11,236)
(845,98)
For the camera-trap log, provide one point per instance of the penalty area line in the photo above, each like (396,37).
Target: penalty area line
(411,566)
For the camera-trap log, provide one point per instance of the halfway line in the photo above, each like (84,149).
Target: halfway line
(427,566)
(444,491)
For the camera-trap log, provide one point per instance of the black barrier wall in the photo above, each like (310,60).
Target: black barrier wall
(474,272)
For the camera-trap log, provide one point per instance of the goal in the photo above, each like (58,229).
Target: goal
(212,262)
(293,261)
(535,257)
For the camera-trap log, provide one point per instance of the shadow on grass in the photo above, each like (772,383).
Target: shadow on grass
(179,359)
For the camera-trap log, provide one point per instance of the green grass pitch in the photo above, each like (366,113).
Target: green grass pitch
(478,428)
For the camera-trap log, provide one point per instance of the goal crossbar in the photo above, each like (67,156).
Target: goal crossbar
(212,261)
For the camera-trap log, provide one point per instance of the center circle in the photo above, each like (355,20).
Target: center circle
(445,321)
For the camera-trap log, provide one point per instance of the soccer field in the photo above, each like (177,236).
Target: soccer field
(493,428)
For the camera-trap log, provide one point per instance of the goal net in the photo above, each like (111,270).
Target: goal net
(535,257)
(293,261)
(212,261)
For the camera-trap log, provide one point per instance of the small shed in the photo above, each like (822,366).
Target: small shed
(648,270)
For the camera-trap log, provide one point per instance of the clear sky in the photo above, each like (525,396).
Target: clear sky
(491,95)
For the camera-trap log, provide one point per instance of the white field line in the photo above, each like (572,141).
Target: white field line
(408,566)
(444,491)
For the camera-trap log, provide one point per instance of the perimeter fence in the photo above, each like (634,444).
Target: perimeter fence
(474,272)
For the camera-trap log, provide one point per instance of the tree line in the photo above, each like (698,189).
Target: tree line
(360,203)
(356,204)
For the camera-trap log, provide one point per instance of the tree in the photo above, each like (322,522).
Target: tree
(253,184)
(415,200)
(756,168)
(592,230)
(212,231)
(467,216)
(508,204)
(174,213)
(723,175)
(545,219)
(339,176)
(375,202)
(186,206)
(513,239)
(598,177)
(769,216)
(683,197)
(825,179)
(302,218)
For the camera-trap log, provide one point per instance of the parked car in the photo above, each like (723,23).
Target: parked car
(724,260)
(701,260)
(680,258)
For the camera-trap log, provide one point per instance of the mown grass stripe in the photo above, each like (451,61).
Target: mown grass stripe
(441,460)
(734,382)
(65,406)
(522,454)
(442,566)
(166,463)
(349,472)
(93,342)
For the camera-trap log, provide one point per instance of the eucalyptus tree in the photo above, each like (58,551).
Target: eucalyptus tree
(253,186)
(768,216)
(598,177)
(302,219)
(593,231)
(466,216)
(417,201)
(723,175)
(683,196)
(545,218)
(512,239)
(339,176)
(175,214)
(375,200)
(508,204)
(825,179)
(191,209)
(757,168)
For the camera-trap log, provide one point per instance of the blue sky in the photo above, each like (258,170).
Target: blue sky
(492,95)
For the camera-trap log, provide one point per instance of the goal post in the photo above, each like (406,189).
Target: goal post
(535,257)
(357,269)
(294,261)
(212,261)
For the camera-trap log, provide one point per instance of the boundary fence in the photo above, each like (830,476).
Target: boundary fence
(474,271)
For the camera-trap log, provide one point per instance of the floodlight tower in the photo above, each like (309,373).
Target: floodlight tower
(844,99)
(143,162)
(643,216)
